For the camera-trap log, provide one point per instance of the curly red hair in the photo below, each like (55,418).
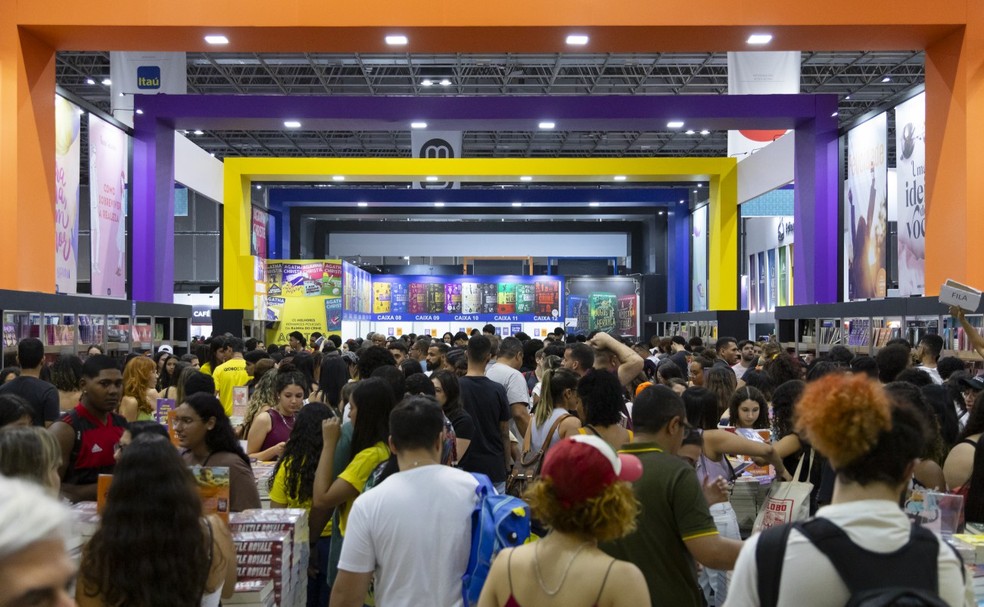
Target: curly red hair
(843,417)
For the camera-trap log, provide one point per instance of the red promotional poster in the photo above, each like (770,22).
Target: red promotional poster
(258,238)
(625,315)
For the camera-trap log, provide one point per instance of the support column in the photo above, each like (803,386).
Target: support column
(237,264)
(678,273)
(722,233)
(816,196)
(27,160)
(954,156)
(152,255)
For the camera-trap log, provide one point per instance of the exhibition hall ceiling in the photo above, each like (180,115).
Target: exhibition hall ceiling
(861,80)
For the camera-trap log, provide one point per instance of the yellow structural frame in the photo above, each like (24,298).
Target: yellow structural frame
(238,286)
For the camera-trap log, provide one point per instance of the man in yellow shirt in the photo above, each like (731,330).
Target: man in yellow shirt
(231,374)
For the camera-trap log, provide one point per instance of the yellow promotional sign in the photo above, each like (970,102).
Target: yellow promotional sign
(305,296)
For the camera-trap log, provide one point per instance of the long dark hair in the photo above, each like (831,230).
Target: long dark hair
(783,401)
(334,374)
(702,407)
(373,398)
(298,460)
(153,502)
(449,382)
(221,437)
(755,395)
(974,508)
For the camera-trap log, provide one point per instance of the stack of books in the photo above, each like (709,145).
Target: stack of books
(252,593)
(273,545)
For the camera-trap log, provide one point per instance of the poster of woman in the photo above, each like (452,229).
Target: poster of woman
(866,210)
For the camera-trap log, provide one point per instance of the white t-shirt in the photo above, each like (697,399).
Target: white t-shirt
(515,385)
(414,532)
(739,369)
(933,373)
(808,578)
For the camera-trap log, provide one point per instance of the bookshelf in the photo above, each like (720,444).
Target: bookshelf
(709,326)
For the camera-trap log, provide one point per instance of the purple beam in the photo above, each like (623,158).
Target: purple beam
(153,214)
(816,230)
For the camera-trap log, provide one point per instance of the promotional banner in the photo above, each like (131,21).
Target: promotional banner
(479,299)
(144,73)
(608,304)
(910,148)
(303,295)
(760,73)
(258,234)
(68,118)
(356,292)
(866,210)
(107,197)
(435,144)
(698,258)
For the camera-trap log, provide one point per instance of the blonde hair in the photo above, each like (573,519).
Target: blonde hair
(553,385)
(28,516)
(607,516)
(264,395)
(29,453)
(136,381)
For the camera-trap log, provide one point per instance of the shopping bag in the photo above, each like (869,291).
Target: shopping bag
(788,501)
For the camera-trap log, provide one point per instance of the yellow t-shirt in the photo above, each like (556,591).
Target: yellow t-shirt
(206,368)
(227,376)
(279,494)
(357,473)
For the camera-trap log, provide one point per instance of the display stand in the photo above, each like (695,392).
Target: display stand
(709,325)
(866,326)
(69,324)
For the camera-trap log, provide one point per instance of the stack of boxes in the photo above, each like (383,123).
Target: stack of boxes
(273,545)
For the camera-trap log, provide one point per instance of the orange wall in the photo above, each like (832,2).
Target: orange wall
(31,30)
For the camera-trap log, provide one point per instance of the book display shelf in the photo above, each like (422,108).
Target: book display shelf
(709,326)
(866,326)
(69,324)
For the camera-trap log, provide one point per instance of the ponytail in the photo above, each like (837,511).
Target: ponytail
(555,383)
(546,406)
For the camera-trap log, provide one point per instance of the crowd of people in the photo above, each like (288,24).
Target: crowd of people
(376,438)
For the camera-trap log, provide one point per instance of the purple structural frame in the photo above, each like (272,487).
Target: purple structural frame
(816,172)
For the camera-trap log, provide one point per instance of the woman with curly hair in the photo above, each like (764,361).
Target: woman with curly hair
(873,442)
(66,372)
(292,486)
(263,398)
(721,382)
(583,497)
(139,389)
(154,514)
(748,409)
(207,437)
(270,429)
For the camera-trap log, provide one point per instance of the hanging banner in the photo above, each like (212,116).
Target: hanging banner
(303,295)
(866,211)
(436,144)
(760,73)
(143,73)
(107,196)
(699,260)
(68,119)
(357,292)
(258,235)
(910,147)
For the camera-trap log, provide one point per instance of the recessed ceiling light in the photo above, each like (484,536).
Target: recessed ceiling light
(90,81)
(362,204)
(426,82)
(705,132)
(759,39)
(695,191)
(445,82)
(292,124)
(216,39)
(259,187)
(107,82)
(846,98)
(517,204)
(418,125)
(139,111)
(438,204)
(406,257)
(661,212)
(547,125)
(619,178)
(593,204)
(431,178)
(577,39)
(526,178)
(674,124)
(396,40)
(338,178)
(681,202)
(122,94)
(212,154)
(834,115)
(690,131)
(199,132)
(700,185)
(886,79)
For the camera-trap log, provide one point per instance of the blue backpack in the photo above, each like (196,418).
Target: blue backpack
(498,521)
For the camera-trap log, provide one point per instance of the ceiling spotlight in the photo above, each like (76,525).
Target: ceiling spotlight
(107,82)
(619,178)
(139,111)
(695,191)
(517,204)
(886,79)
(593,204)
(661,212)
(216,39)
(431,178)
(445,82)
(438,204)
(847,98)
(396,40)
(406,257)
(526,178)
(759,39)
(681,202)
(362,204)
(700,185)
(426,82)
(338,178)
(705,132)
(547,125)
(674,124)
(90,81)
(690,131)
(577,40)
(834,115)
(292,124)
(418,125)
(199,132)
(212,154)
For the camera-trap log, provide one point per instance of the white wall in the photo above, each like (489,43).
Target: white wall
(767,169)
(478,245)
(197,169)
(762,234)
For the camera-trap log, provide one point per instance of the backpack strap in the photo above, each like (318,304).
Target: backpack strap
(769,555)
(553,430)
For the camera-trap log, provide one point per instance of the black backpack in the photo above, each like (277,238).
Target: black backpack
(907,577)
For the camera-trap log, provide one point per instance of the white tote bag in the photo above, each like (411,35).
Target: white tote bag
(788,501)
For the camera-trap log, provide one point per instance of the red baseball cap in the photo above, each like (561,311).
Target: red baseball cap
(583,466)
